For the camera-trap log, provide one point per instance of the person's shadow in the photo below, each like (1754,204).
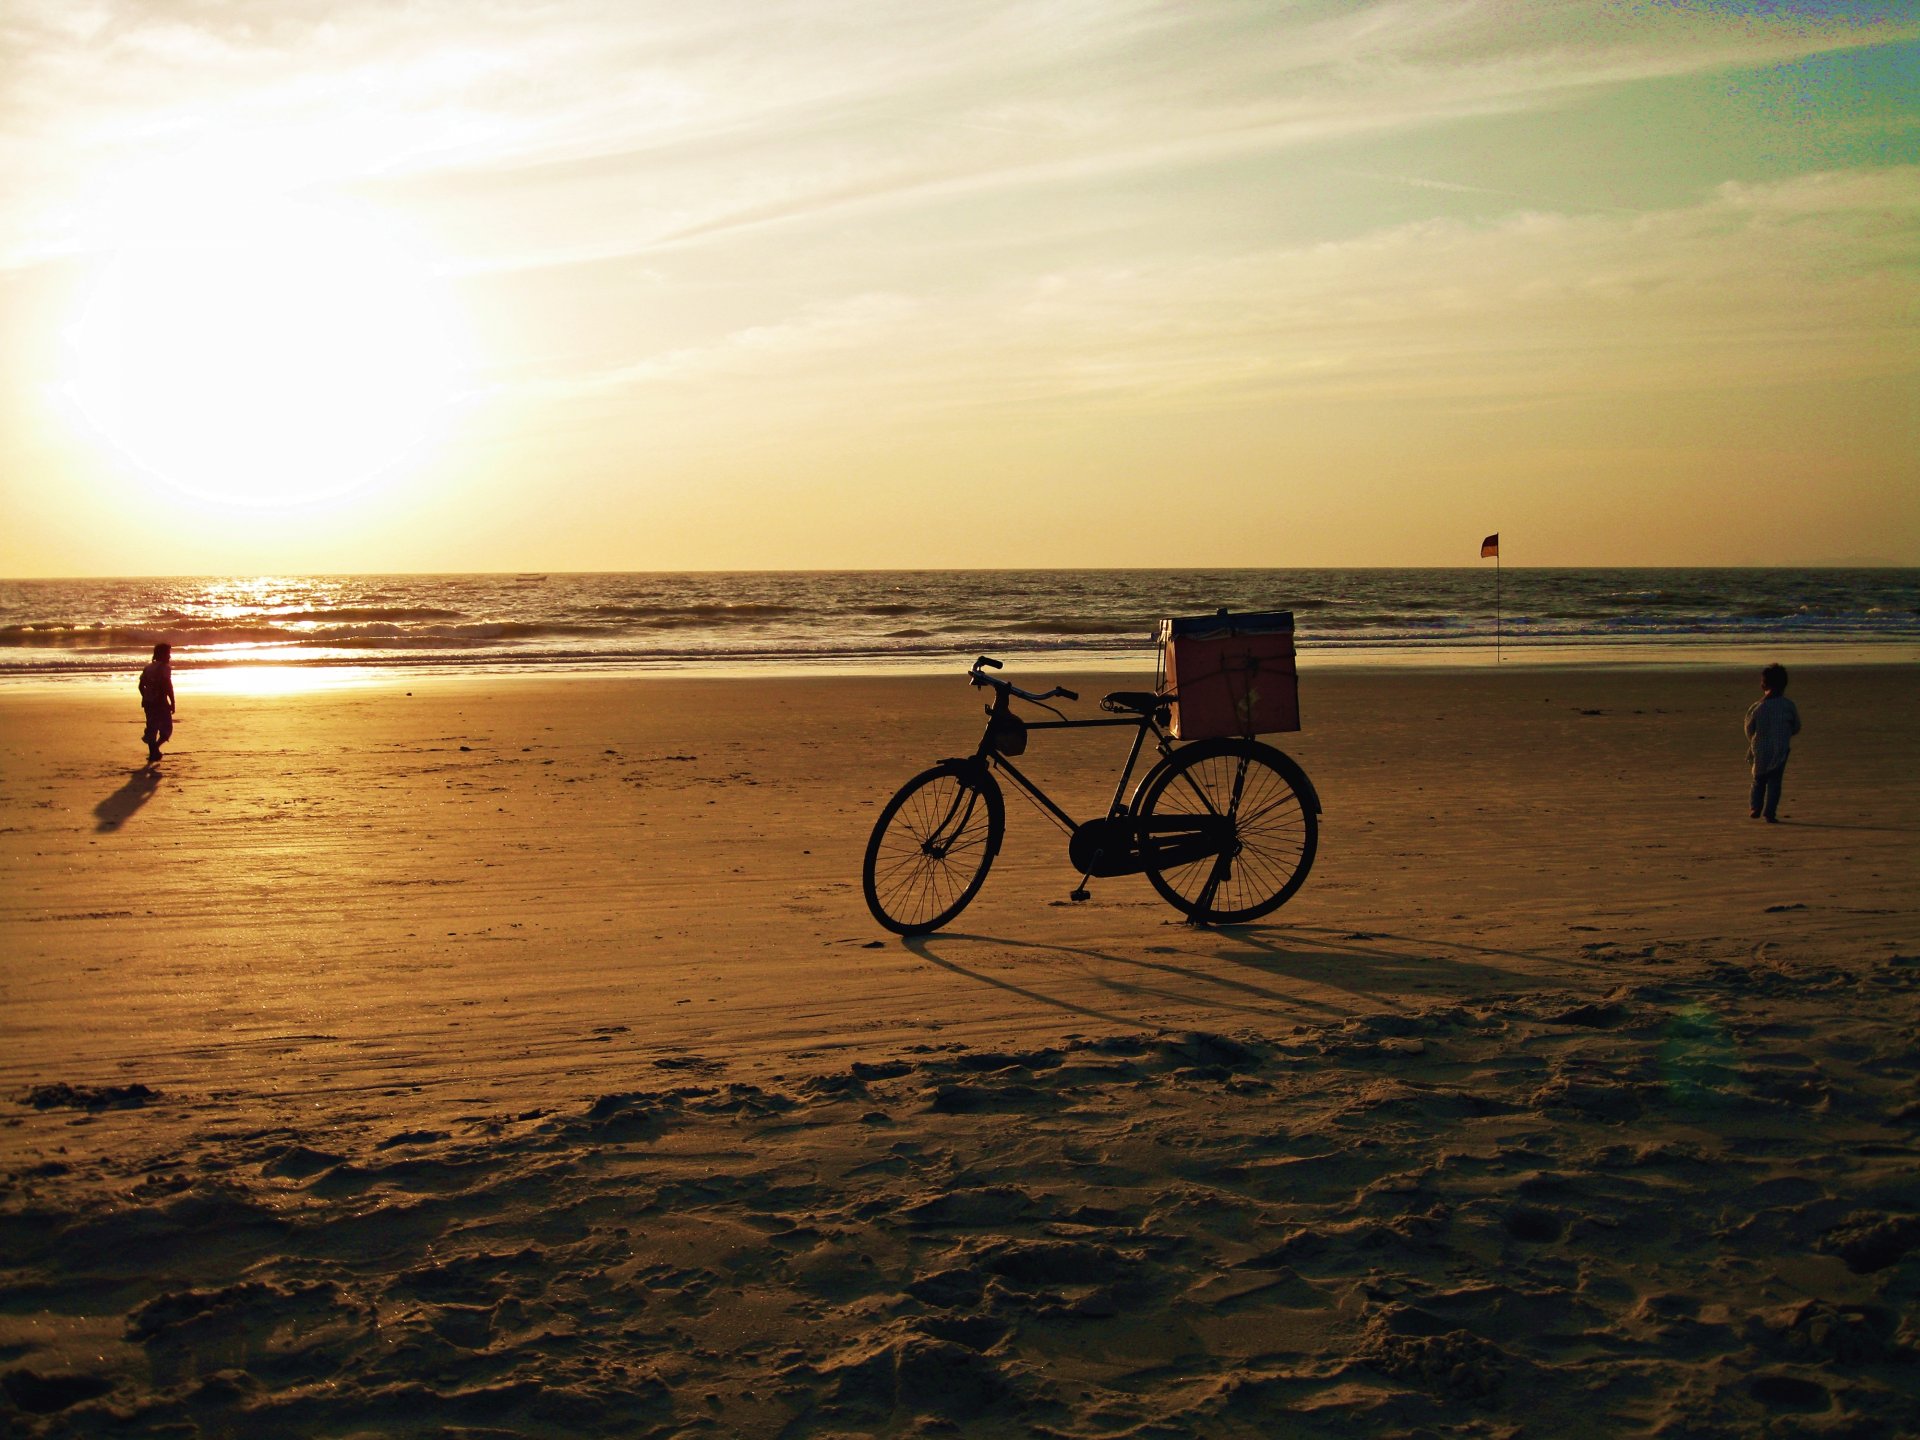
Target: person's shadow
(119,807)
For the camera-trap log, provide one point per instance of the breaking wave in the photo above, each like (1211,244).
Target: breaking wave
(759,618)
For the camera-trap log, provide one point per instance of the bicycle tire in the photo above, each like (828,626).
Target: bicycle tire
(932,846)
(1273,830)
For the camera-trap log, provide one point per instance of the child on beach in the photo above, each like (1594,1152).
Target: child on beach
(156,698)
(1772,722)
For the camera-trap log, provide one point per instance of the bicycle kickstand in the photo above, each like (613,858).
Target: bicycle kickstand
(1207,892)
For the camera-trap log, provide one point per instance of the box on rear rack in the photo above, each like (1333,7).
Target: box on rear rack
(1231,674)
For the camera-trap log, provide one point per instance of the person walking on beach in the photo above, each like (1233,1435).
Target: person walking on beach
(1772,722)
(156,698)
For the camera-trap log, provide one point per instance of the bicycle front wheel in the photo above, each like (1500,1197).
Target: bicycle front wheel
(932,846)
(1228,830)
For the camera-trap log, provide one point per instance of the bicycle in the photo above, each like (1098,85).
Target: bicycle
(1225,829)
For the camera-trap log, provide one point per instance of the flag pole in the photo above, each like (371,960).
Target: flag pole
(1491,546)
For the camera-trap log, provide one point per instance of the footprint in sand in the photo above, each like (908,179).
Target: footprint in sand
(1789,1392)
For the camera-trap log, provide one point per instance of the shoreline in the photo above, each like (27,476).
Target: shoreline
(248,674)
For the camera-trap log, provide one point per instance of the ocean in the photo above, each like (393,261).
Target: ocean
(759,620)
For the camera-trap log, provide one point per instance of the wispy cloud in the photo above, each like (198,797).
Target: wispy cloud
(755,113)
(1754,285)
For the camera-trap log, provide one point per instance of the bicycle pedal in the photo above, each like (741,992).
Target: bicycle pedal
(1080,893)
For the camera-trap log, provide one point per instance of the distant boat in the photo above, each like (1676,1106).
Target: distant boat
(528,579)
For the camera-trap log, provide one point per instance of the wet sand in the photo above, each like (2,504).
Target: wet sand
(517,1057)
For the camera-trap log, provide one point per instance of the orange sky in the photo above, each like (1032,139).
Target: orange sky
(477,286)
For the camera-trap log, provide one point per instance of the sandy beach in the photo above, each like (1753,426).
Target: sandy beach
(515,1056)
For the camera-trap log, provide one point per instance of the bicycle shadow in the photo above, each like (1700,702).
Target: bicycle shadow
(918,945)
(1365,942)
(1392,962)
(1402,966)
(1307,972)
(1170,982)
(121,806)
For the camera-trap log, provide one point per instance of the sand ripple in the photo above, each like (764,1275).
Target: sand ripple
(1533,1213)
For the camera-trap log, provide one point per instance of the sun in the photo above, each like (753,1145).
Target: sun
(274,355)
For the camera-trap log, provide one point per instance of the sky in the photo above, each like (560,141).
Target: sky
(465,285)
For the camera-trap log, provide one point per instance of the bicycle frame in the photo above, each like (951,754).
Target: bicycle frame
(1142,724)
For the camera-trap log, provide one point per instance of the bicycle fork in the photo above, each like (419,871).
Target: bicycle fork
(1222,870)
(940,840)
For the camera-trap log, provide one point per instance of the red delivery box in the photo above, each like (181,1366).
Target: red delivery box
(1230,674)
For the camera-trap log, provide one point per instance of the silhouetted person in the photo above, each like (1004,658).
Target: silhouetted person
(156,698)
(1772,722)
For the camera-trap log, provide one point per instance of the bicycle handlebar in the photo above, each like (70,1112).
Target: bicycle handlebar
(1007,687)
(1059,691)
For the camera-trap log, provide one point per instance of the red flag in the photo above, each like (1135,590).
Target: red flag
(1490,545)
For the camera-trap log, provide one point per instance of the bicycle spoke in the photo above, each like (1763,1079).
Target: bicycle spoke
(1271,831)
(930,850)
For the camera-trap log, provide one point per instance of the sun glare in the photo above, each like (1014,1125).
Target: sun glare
(269,681)
(277,357)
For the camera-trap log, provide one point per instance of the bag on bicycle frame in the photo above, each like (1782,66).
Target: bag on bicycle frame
(1230,674)
(1007,734)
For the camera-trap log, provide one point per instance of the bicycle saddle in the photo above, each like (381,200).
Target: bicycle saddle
(1140,702)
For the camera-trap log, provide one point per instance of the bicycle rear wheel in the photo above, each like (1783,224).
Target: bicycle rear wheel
(1228,830)
(932,846)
